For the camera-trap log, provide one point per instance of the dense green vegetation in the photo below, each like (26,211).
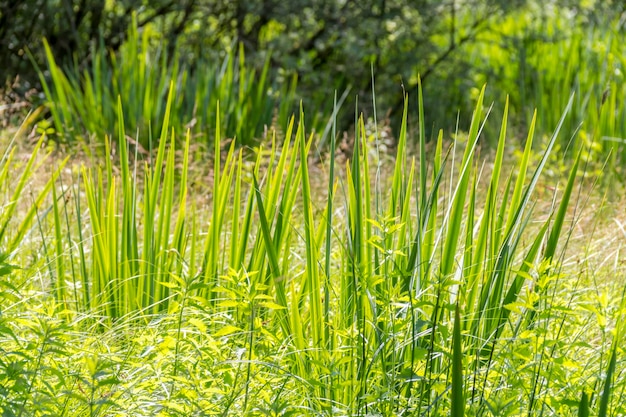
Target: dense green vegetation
(152,265)
(535,52)
(434,288)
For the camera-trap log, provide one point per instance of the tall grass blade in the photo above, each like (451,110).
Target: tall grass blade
(555,233)
(603,410)
(278,278)
(454,215)
(583,406)
(457,406)
(311,270)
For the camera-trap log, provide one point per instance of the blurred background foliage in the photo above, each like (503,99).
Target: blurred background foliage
(535,51)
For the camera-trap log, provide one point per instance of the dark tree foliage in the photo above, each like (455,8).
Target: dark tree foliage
(71,27)
(335,44)
(329,44)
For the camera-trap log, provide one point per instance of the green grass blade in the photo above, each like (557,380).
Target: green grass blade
(422,146)
(583,406)
(457,406)
(454,216)
(555,233)
(520,207)
(608,381)
(10,208)
(521,173)
(311,270)
(279,279)
(603,410)
(329,221)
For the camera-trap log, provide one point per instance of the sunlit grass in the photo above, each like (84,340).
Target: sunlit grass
(435,285)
